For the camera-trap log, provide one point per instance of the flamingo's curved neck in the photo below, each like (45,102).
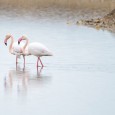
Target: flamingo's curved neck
(10,47)
(27,42)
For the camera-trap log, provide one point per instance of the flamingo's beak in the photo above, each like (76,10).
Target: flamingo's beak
(19,40)
(6,44)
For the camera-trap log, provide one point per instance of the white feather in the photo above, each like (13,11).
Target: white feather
(38,49)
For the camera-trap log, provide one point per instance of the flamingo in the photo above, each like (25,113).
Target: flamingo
(37,49)
(14,48)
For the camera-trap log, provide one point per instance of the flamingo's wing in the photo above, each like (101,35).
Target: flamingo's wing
(38,49)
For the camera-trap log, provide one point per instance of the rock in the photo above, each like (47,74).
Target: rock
(79,22)
(97,20)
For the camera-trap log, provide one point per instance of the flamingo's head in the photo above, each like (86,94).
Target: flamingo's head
(22,38)
(6,38)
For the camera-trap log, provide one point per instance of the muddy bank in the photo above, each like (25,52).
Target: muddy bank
(27,4)
(106,23)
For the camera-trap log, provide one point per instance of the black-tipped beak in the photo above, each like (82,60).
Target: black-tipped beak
(6,44)
(18,42)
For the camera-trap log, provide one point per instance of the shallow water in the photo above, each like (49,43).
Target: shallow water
(78,79)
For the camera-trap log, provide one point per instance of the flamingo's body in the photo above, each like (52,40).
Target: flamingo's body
(14,48)
(37,49)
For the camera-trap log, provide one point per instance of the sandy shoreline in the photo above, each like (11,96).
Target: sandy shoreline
(106,22)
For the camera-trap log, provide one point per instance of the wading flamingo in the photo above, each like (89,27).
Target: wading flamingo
(14,48)
(37,49)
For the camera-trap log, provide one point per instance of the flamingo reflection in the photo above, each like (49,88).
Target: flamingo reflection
(17,78)
(21,80)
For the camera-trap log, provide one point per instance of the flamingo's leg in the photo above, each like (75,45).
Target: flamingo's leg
(24,60)
(37,62)
(16,59)
(41,62)
(39,71)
